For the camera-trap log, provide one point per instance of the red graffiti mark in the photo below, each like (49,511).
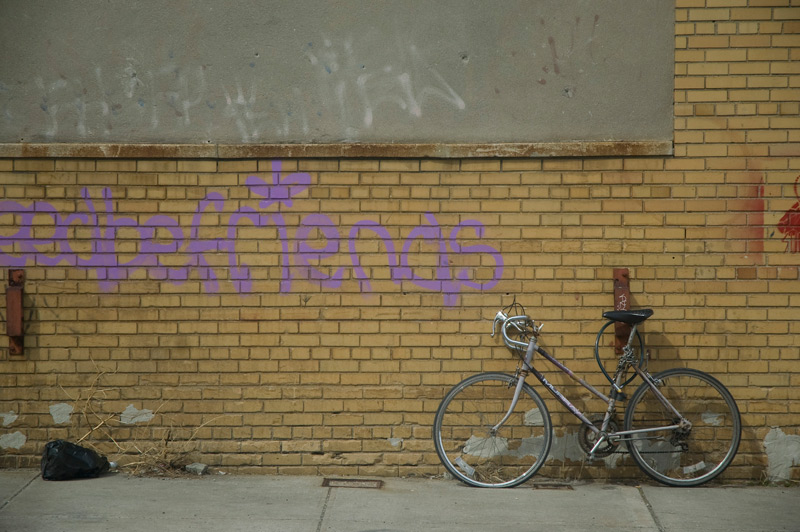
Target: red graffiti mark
(746,222)
(789,224)
(755,222)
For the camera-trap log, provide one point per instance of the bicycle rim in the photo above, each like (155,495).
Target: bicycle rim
(464,440)
(684,458)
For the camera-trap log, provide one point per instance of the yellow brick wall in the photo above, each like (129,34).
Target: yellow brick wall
(339,369)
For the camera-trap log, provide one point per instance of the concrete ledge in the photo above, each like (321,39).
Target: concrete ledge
(293,151)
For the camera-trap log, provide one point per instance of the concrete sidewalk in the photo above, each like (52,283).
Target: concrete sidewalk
(287,504)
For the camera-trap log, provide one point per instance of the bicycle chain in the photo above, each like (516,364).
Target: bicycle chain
(646,452)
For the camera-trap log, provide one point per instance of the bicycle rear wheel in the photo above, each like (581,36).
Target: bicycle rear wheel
(469,449)
(681,457)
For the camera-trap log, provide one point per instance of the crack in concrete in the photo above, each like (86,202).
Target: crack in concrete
(324,509)
(649,506)
(14,496)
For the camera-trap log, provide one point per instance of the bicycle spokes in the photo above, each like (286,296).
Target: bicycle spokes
(476,447)
(694,449)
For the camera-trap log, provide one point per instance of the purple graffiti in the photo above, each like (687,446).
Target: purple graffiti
(166,251)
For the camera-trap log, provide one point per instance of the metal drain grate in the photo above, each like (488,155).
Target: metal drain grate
(552,486)
(352,483)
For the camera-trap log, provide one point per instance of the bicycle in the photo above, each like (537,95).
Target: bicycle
(681,426)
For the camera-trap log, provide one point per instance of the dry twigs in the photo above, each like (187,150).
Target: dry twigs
(168,457)
(86,404)
(140,454)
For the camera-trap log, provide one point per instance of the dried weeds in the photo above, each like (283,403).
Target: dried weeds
(140,454)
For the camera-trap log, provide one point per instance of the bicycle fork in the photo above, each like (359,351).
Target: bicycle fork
(616,392)
(520,383)
(527,368)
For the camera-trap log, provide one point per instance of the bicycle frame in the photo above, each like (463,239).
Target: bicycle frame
(533,347)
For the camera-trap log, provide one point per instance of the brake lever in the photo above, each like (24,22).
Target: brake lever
(500,317)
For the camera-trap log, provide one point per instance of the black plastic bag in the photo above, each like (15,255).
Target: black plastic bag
(63,460)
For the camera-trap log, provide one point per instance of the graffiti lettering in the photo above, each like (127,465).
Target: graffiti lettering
(168,252)
(406,84)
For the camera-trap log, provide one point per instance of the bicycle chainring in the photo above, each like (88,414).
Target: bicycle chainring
(587,438)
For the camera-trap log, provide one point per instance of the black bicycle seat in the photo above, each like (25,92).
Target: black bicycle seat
(631,317)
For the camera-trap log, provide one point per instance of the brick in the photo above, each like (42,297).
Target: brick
(751,41)
(709,14)
(34,165)
(399,165)
(151,166)
(751,13)
(731,55)
(521,164)
(786,13)
(725,82)
(196,166)
(359,165)
(708,41)
(480,165)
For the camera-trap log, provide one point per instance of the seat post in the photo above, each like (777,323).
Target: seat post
(628,347)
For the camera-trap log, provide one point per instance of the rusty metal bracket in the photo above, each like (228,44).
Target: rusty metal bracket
(14,314)
(622,301)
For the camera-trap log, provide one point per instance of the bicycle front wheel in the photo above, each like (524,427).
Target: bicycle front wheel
(684,456)
(476,453)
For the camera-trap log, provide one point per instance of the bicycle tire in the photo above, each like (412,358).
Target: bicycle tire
(467,449)
(684,458)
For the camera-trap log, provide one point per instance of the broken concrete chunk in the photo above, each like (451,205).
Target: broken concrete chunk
(8,418)
(197,468)
(12,441)
(61,413)
(133,415)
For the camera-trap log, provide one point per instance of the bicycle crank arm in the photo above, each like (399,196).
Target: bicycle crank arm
(597,444)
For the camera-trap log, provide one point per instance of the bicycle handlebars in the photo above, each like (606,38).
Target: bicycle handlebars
(521,327)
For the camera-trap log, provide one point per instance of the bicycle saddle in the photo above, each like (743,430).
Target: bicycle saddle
(630,317)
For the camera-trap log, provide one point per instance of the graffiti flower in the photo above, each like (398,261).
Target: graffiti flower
(281,190)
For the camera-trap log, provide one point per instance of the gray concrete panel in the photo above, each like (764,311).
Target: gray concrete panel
(346,71)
